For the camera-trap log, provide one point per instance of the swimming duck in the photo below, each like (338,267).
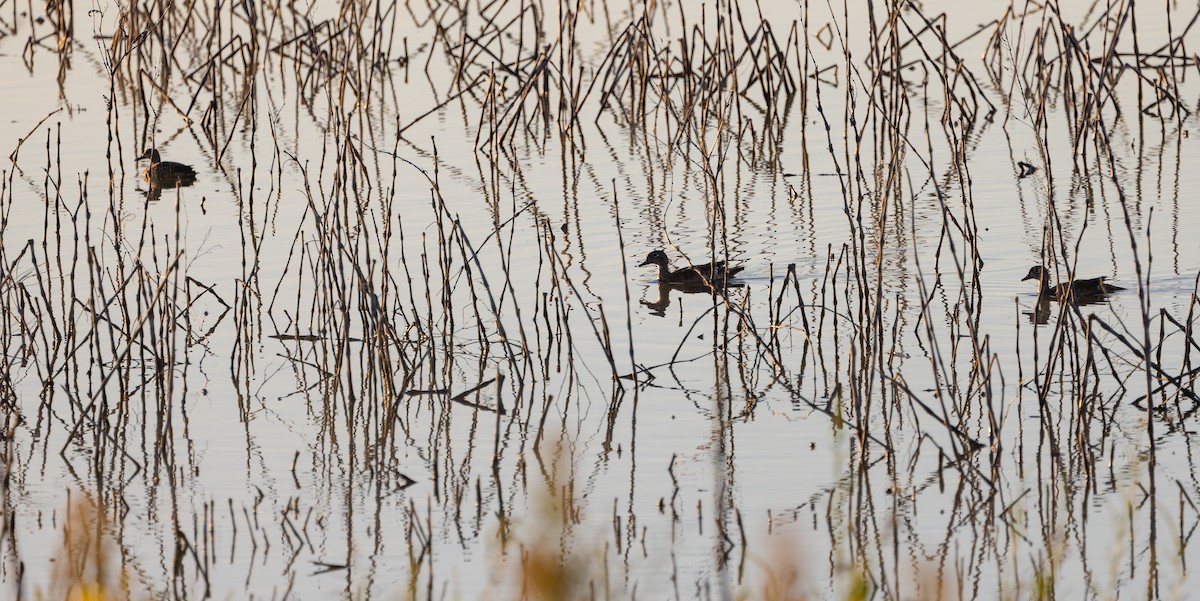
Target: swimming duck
(705,275)
(1078,289)
(166,174)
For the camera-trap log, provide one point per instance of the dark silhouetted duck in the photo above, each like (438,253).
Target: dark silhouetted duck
(709,274)
(166,174)
(1081,290)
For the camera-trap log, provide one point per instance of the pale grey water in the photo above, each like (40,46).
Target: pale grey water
(742,450)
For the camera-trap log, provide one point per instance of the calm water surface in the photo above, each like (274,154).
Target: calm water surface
(245,464)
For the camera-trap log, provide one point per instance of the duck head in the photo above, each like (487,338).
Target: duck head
(1037,272)
(656,257)
(151,154)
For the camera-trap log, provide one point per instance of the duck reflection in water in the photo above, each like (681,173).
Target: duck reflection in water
(659,306)
(1040,314)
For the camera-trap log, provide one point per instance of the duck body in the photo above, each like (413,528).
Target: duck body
(709,274)
(166,174)
(1077,289)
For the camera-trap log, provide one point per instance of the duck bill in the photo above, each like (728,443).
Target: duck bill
(645,263)
(1029,277)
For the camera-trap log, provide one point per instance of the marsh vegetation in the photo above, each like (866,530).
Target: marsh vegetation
(390,338)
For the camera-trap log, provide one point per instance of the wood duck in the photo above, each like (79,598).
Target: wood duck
(709,274)
(166,174)
(1077,289)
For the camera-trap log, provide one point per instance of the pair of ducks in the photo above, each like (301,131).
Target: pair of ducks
(717,275)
